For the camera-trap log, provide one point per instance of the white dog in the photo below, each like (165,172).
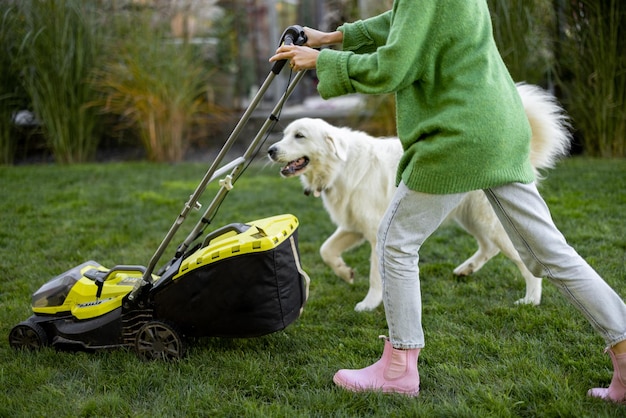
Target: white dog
(355,173)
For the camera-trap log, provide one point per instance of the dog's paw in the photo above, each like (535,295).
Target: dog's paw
(528,301)
(368,304)
(465,269)
(346,274)
(364,307)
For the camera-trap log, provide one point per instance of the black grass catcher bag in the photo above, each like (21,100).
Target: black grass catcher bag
(246,280)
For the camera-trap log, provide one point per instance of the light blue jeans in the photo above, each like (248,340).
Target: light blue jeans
(412,217)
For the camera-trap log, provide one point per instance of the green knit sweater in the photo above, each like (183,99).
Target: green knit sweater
(459,116)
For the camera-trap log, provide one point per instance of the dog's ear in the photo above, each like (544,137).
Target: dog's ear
(338,146)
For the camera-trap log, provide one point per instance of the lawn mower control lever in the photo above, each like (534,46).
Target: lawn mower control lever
(293,35)
(100,276)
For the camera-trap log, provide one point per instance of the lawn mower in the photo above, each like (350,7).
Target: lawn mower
(240,280)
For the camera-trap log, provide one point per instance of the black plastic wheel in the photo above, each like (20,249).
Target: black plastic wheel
(157,340)
(27,335)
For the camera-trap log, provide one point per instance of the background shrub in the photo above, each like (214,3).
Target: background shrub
(155,85)
(592,73)
(12,95)
(523,30)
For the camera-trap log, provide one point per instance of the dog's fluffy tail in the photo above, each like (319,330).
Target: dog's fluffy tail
(551,137)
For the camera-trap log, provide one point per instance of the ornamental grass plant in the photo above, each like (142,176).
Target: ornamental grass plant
(61,47)
(156,86)
(523,30)
(593,74)
(10,91)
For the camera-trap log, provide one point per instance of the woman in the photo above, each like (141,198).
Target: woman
(463,128)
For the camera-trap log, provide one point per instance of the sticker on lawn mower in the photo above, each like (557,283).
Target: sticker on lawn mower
(93,303)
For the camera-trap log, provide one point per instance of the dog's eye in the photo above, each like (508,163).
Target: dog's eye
(298,135)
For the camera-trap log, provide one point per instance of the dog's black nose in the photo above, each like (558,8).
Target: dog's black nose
(271,151)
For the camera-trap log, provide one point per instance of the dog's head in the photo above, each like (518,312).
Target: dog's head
(307,145)
(312,149)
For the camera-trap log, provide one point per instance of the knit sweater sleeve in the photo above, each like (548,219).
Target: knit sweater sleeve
(395,60)
(365,36)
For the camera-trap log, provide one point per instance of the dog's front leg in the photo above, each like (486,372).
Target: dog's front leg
(375,293)
(533,284)
(331,250)
(486,251)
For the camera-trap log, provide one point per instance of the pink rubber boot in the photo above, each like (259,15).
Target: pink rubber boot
(396,372)
(616,392)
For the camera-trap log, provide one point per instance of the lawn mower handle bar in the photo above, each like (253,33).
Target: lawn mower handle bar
(292,35)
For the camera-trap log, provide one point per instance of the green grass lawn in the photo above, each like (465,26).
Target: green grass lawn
(485,357)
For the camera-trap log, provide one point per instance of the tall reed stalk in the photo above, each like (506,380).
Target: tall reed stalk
(523,32)
(59,52)
(10,92)
(594,74)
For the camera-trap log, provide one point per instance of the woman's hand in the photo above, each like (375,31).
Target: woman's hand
(299,57)
(305,57)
